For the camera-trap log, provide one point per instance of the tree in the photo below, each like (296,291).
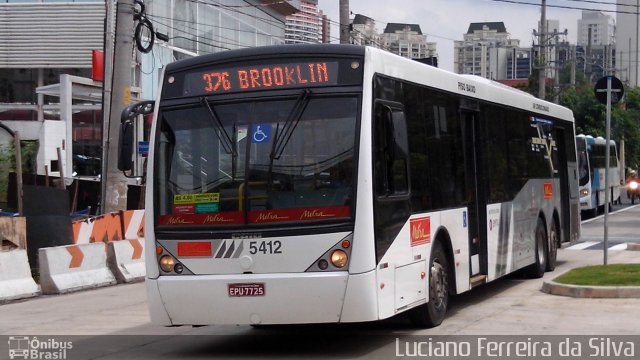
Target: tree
(590,117)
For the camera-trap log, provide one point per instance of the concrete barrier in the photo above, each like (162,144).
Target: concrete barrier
(73,267)
(126,260)
(15,276)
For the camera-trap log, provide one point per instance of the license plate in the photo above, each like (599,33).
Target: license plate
(242,290)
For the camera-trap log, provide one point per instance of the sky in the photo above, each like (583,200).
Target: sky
(444,21)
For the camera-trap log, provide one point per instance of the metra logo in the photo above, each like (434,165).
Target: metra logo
(216,219)
(420,231)
(548,190)
(314,214)
(178,220)
(270,216)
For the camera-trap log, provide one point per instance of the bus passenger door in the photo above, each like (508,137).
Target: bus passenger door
(476,204)
(569,201)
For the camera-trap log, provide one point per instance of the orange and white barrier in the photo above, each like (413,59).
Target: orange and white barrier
(126,259)
(133,223)
(15,276)
(114,226)
(73,267)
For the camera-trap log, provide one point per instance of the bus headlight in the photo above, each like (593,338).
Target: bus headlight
(339,258)
(584,192)
(167,263)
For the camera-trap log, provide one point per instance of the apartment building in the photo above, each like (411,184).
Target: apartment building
(484,50)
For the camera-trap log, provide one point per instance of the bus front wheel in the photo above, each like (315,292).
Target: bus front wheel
(433,312)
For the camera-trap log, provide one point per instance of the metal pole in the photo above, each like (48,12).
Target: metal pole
(637,34)
(543,50)
(607,193)
(18,148)
(344,22)
(115,196)
(106,96)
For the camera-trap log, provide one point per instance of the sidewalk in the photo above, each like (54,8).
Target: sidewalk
(622,227)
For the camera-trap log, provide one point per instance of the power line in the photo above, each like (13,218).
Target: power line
(568,7)
(256,31)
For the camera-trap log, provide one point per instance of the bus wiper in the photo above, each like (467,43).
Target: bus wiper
(222,134)
(282,139)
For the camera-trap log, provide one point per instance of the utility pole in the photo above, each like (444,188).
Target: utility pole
(114,183)
(543,52)
(344,22)
(20,191)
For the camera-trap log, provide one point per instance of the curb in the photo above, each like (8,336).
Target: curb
(633,246)
(593,292)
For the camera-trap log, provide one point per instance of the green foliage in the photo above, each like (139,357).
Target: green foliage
(29,152)
(590,116)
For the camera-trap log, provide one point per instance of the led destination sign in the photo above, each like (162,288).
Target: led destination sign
(262,77)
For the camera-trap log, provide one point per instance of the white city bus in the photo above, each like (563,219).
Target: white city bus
(592,169)
(336,183)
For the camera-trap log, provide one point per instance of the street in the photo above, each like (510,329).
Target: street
(509,306)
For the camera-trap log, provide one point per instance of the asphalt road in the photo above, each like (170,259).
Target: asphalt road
(112,322)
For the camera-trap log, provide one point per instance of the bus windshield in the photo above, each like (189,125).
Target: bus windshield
(256,162)
(583,162)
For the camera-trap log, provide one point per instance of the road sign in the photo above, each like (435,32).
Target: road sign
(609,90)
(616,89)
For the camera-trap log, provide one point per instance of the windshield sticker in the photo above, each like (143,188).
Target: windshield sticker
(183,199)
(184,209)
(207,208)
(184,204)
(260,133)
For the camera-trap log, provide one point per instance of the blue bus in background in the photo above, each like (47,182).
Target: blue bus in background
(592,169)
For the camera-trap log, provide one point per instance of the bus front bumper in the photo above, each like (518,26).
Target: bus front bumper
(286,299)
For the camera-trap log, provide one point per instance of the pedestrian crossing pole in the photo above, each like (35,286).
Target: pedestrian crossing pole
(614,90)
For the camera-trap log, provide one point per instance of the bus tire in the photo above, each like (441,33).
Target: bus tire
(536,270)
(554,243)
(433,312)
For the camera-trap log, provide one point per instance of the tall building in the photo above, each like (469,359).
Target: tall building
(596,28)
(407,41)
(484,51)
(627,42)
(519,64)
(306,25)
(326,28)
(364,31)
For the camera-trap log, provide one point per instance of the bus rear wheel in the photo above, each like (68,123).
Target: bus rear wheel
(433,312)
(537,269)
(554,243)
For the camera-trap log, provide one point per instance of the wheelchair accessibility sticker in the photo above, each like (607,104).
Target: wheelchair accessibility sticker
(260,133)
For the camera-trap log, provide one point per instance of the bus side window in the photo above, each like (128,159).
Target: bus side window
(390,151)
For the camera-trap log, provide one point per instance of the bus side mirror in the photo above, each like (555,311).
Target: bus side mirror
(126,140)
(125,146)
(400,136)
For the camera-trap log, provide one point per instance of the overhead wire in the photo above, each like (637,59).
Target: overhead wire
(568,7)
